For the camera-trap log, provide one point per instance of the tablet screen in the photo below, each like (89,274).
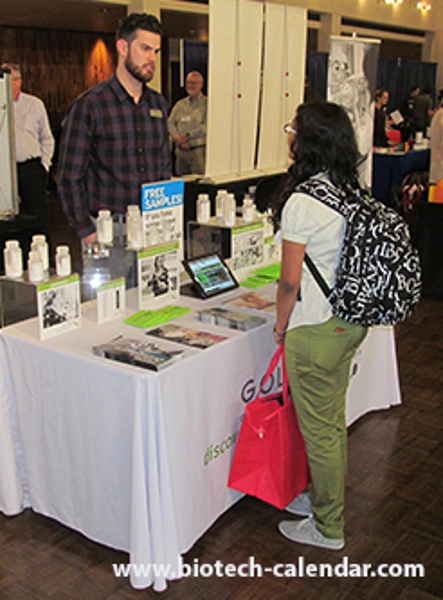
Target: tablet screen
(210,275)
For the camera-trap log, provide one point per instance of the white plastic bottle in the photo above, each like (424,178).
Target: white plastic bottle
(219,198)
(63,261)
(40,244)
(105,227)
(13,259)
(248,209)
(203,208)
(229,208)
(134,227)
(35,267)
(268,224)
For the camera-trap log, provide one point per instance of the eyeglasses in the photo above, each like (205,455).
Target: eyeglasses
(288,128)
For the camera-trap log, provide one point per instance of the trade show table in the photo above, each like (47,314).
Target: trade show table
(134,459)
(427,235)
(390,168)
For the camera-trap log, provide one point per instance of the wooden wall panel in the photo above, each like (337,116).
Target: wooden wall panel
(57,66)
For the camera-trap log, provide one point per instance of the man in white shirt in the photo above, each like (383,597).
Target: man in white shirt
(34,148)
(187,127)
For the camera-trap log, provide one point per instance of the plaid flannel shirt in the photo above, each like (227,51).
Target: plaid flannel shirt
(109,146)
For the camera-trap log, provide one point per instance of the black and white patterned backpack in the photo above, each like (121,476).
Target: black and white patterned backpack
(378,277)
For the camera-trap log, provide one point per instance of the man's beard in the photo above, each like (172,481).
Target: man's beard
(137,72)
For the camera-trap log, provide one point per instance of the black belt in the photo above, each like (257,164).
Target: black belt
(28,161)
(192,148)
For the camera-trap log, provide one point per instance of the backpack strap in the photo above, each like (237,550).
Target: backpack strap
(317,276)
(327,194)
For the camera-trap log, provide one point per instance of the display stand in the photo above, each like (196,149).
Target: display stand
(246,245)
(102,264)
(18,300)
(19,297)
(159,263)
(8,165)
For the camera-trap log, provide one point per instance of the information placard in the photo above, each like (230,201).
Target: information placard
(111,300)
(247,246)
(159,275)
(162,213)
(58,305)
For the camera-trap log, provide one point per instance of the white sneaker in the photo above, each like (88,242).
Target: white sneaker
(306,532)
(301,505)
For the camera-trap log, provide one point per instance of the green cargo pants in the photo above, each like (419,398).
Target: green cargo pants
(318,359)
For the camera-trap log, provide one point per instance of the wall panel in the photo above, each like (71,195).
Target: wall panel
(235,32)
(57,66)
(283,80)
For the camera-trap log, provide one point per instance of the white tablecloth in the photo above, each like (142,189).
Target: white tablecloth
(133,459)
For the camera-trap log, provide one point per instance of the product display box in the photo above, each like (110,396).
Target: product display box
(243,244)
(18,300)
(101,264)
(106,263)
(208,238)
(19,297)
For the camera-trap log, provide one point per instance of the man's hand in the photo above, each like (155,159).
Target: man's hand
(89,239)
(182,141)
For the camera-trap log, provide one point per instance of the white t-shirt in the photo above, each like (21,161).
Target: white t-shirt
(306,220)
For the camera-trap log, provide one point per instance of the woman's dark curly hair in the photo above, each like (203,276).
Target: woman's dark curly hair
(324,142)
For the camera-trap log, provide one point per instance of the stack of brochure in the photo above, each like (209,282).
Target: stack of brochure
(241,321)
(184,335)
(138,352)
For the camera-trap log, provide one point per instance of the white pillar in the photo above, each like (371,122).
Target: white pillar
(330,24)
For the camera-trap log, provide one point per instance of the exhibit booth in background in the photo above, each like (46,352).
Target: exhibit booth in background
(352,71)
(398,76)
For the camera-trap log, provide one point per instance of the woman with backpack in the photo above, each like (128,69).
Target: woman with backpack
(319,346)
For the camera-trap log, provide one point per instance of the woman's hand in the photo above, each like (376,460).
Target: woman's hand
(279,336)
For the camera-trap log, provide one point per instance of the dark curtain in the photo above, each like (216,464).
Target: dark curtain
(422,74)
(399,76)
(388,76)
(196,59)
(317,72)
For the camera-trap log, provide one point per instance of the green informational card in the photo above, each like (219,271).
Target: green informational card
(152,318)
(263,276)
(254,281)
(270,272)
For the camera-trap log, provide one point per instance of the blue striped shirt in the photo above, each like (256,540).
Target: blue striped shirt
(108,148)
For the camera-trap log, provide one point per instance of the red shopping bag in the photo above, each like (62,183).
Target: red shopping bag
(270,459)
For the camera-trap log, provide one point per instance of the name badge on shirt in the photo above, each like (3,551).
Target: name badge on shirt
(155,113)
(186,118)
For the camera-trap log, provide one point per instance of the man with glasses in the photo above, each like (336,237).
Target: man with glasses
(34,144)
(115,135)
(187,127)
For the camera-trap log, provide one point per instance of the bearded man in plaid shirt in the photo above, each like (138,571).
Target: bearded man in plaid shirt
(115,135)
